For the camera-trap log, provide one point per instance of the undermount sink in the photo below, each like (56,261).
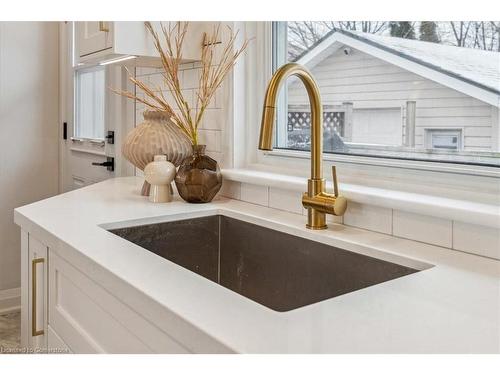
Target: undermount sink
(275,269)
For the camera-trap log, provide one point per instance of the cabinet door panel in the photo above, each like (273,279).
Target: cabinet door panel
(92,36)
(91,320)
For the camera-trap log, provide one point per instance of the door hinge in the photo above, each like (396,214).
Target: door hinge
(110,138)
(65,130)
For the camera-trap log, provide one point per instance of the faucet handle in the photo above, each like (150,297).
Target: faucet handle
(335,182)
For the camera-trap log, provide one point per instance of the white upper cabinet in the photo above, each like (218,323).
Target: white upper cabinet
(93,37)
(100,41)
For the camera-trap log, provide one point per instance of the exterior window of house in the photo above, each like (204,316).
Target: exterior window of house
(89,103)
(444,139)
(374,102)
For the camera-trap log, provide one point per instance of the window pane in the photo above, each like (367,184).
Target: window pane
(89,103)
(444,139)
(377,99)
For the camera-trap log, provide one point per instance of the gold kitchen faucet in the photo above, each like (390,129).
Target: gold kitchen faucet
(317,201)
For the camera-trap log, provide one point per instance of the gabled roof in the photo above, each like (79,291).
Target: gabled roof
(471,71)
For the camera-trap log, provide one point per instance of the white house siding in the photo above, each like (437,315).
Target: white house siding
(369,82)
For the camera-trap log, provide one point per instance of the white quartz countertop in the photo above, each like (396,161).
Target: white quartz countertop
(452,306)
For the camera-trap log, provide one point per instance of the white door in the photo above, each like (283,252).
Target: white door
(93,36)
(89,112)
(382,126)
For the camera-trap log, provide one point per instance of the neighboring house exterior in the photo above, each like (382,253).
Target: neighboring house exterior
(404,93)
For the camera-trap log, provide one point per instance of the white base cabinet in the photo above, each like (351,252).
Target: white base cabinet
(91,320)
(55,343)
(65,311)
(34,294)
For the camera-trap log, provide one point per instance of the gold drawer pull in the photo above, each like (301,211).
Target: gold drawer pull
(34,263)
(103,27)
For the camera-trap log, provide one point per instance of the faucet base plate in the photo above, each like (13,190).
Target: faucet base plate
(316,227)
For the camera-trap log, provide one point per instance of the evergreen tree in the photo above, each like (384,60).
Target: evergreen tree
(402,29)
(429,32)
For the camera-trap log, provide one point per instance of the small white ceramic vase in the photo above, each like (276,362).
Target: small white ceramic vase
(156,135)
(160,173)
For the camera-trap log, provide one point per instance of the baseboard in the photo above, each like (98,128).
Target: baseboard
(10,300)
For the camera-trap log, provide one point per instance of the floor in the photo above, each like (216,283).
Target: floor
(10,331)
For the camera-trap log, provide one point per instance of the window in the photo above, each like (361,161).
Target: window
(89,103)
(443,139)
(379,101)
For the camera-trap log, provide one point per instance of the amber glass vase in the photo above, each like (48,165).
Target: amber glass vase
(198,179)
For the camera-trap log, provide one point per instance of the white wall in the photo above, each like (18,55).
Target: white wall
(369,82)
(28,129)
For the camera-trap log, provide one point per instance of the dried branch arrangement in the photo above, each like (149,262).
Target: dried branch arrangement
(214,69)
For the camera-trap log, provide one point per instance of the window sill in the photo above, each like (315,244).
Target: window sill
(434,166)
(451,209)
(88,151)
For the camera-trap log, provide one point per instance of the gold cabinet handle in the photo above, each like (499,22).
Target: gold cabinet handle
(34,263)
(103,27)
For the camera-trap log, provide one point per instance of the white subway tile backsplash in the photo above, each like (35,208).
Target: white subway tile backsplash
(256,194)
(211,138)
(142,71)
(476,239)
(429,229)
(218,100)
(187,94)
(186,66)
(231,189)
(285,200)
(156,81)
(377,219)
(190,78)
(213,119)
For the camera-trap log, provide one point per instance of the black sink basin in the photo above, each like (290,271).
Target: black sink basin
(275,269)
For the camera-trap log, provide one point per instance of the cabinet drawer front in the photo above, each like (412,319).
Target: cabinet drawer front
(91,320)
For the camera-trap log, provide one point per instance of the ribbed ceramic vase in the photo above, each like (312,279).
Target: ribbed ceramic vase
(156,135)
(198,179)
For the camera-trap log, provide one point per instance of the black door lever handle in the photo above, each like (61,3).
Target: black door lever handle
(109,164)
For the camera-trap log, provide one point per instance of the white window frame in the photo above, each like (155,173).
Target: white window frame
(249,83)
(430,131)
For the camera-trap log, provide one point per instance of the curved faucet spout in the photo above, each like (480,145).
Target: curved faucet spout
(269,112)
(317,201)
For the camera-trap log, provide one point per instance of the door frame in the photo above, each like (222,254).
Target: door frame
(119,111)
